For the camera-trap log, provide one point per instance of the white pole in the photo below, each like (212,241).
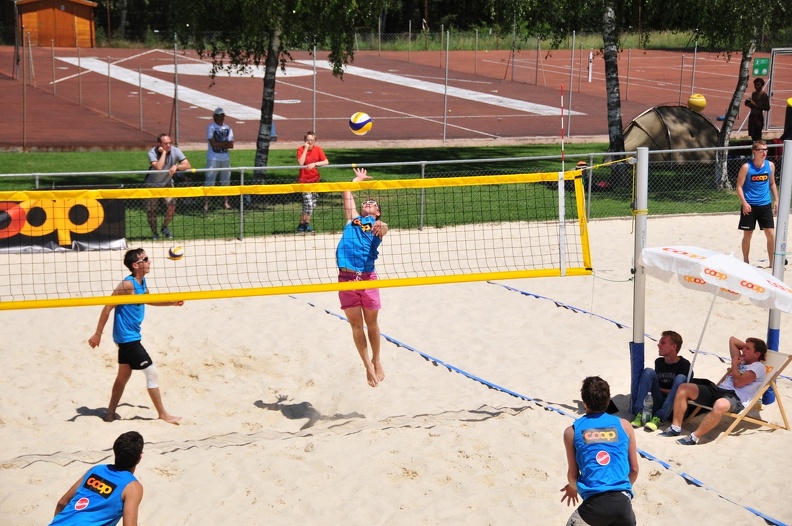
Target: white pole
(639,278)
(591,65)
(140,96)
(571,83)
(313,125)
(109,103)
(409,39)
(782,230)
(175,90)
(693,78)
(475,55)
(445,95)
(54,80)
(79,78)
(681,75)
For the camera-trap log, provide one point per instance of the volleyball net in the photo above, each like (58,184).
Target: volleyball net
(65,247)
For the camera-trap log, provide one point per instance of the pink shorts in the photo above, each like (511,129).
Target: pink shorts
(366,298)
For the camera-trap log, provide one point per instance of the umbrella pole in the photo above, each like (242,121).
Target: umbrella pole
(701,337)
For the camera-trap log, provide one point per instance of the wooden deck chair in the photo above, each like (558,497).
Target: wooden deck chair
(775,363)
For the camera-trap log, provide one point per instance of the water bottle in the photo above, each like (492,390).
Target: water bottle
(647,408)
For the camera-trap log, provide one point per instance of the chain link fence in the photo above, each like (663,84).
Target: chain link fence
(675,187)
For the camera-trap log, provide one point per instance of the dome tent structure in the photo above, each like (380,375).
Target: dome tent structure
(671,128)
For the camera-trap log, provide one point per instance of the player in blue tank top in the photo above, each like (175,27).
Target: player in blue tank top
(128,317)
(602,461)
(756,188)
(106,493)
(356,254)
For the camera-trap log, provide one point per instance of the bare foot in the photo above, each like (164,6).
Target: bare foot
(110,417)
(379,371)
(171,419)
(371,376)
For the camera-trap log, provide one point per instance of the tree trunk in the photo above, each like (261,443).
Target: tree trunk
(722,156)
(267,103)
(610,37)
(122,4)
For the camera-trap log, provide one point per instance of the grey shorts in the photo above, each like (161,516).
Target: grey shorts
(218,168)
(310,199)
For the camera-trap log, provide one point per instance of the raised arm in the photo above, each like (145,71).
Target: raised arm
(350,210)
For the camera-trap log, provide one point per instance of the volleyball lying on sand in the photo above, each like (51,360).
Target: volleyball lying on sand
(360,123)
(697,102)
(176,253)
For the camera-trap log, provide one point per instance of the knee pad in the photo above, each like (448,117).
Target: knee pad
(152,376)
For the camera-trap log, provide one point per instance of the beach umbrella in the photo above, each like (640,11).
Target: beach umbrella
(721,275)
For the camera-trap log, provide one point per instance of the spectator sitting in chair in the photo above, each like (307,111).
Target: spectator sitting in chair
(745,376)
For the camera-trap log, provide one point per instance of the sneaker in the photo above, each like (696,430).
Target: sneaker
(637,421)
(301,227)
(653,424)
(687,441)
(167,233)
(308,228)
(670,432)
(155,237)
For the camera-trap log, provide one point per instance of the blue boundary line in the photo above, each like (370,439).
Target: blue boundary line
(438,362)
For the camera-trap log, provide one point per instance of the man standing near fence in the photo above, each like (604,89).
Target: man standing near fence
(759,103)
(220,137)
(755,183)
(164,156)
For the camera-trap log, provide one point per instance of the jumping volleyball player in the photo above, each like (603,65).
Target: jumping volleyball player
(126,334)
(355,256)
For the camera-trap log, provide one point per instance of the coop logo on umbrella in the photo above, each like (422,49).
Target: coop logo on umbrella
(715,274)
(683,253)
(695,280)
(752,286)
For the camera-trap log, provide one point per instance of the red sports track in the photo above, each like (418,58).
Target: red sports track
(490,98)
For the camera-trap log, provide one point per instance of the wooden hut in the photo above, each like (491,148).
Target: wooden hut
(67,23)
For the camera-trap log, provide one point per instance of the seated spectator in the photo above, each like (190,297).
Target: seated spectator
(670,371)
(745,377)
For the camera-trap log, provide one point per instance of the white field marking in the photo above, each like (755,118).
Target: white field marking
(204,69)
(401,114)
(166,88)
(465,94)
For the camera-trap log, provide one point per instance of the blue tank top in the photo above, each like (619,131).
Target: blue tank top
(601,451)
(128,317)
(357,249)
(97,501)
(757,184)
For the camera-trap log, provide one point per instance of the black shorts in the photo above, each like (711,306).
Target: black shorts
(709,393)
(134,355)
(763,214)
(612,508)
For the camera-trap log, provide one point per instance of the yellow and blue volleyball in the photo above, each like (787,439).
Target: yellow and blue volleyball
(176,253)
(360,123)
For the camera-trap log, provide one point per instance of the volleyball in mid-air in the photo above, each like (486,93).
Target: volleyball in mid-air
(360,123)
(176,253)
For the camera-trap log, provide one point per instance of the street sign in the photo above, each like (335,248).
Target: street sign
(761,67)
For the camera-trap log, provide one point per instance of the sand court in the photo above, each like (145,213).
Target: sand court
(280,427)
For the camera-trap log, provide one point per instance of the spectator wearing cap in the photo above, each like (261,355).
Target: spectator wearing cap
(759,102)
(220,137)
